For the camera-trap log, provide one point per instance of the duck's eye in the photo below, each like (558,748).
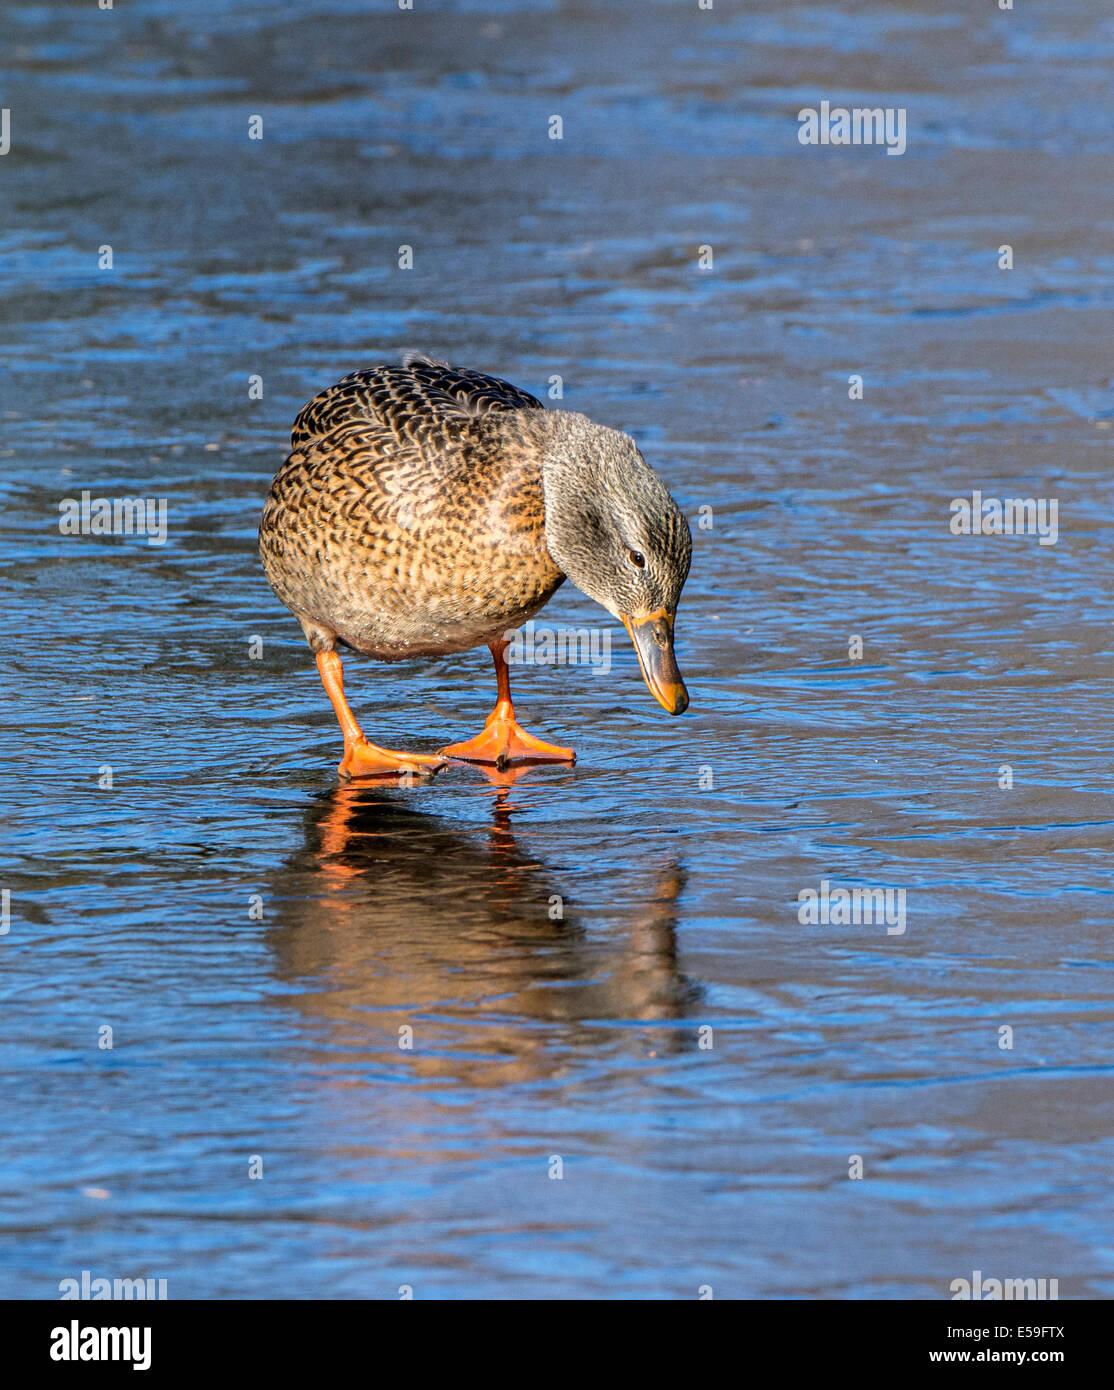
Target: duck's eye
(637,558)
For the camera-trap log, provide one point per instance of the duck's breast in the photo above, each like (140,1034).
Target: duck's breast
(402,554)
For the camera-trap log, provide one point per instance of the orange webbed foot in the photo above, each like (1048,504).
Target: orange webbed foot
(364,759)
(504,741)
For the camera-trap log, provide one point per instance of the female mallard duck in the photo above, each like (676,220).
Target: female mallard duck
(426,509)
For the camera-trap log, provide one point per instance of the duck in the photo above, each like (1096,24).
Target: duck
(426,509)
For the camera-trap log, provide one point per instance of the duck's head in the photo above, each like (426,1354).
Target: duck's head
(612,527)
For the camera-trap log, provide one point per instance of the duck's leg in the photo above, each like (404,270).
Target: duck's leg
(361,758)
(503,741)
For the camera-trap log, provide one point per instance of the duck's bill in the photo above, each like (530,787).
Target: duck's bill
(652,635)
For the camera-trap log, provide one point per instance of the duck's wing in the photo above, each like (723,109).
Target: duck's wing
(420,402)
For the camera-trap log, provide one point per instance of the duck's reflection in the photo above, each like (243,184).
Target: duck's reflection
(395,918)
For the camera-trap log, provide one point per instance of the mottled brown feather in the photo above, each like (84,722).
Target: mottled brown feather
(409,518)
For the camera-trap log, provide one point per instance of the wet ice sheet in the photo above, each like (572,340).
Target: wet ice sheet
(677,849)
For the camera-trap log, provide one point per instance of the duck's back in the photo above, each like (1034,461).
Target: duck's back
(421,402)
(409,518)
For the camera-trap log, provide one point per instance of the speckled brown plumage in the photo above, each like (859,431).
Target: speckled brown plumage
(409,520)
